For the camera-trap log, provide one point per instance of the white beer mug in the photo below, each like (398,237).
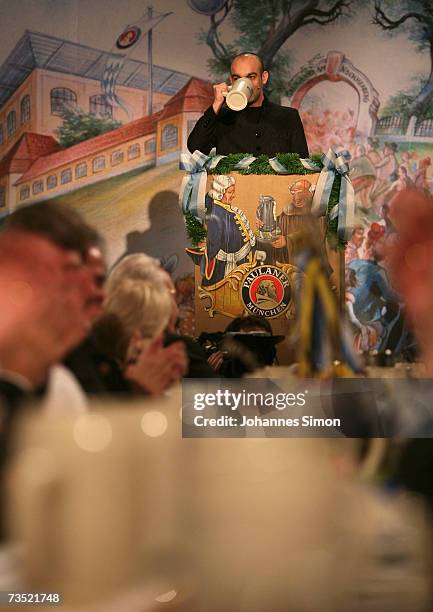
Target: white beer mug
(239,94)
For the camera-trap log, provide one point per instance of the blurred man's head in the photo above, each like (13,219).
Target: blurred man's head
(58,223)
(65,229)
(32,273)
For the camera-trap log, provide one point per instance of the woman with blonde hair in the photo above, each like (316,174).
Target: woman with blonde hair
(136,311)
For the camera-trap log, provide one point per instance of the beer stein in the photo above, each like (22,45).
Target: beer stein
(266,213)
(239,94)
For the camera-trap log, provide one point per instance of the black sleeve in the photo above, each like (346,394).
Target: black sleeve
(298,140)
(203,135)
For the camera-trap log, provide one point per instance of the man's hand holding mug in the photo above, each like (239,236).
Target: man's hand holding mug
(219,98)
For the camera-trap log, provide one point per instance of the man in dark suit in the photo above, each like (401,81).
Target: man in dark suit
(261,128)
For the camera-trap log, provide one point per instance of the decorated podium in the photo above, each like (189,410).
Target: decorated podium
(243,216)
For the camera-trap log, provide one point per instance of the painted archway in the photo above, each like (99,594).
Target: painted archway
(336,67)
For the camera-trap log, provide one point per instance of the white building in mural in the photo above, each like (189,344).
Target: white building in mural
(42,76)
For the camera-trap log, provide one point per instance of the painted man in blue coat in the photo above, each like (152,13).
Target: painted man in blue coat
(230,240)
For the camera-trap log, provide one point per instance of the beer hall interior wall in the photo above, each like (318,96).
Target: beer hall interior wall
(356,84)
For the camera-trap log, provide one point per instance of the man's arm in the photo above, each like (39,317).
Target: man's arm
(298,141)
(203,135)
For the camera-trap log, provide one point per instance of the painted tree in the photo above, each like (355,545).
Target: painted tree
(415,17)
(401,102)
(78,126)
(264,27)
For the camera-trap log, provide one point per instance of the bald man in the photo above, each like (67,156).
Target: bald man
(262,128)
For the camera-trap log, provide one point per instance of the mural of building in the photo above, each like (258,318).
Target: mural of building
(43,75)
(23,154)
(55,75)
(126,148)
(182,112)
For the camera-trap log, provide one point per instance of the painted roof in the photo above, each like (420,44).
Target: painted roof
(26,151)
(196,95)
(130,131)
(37,50)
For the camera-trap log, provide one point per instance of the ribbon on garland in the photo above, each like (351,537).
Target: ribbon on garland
(277,166)
(245,163)
(193,188)
(192,195)
(334,163)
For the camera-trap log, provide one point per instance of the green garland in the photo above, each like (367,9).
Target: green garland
(194,229)
(261,165)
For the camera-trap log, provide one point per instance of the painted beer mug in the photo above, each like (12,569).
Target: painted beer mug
(266,215)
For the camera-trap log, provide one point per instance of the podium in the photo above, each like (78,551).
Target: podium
(243,218)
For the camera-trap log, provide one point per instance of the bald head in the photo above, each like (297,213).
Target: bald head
(251,57)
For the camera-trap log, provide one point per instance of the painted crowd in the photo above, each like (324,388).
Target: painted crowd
(380,171)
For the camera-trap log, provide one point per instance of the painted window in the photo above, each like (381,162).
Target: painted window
(62,99)
(25,109)
(134,151)
(150,146)
(66,176)
(99,163)
(81,170)
(11,123)
(169,137)
(117,157)
(24,192)
(37,187)
(2,196)
(52,181)
(98,105)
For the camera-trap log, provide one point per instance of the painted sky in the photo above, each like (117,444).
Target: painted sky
(388,62)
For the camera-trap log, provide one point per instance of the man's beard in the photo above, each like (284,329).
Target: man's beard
(256,97)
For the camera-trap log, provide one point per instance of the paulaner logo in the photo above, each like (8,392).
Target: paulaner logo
(266,291)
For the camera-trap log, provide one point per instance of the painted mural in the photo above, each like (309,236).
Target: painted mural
(245,262)
(96,105)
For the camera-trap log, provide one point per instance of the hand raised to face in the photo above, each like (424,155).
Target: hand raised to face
(218,91)
(156,367)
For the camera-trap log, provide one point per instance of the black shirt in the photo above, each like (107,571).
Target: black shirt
(260,130)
